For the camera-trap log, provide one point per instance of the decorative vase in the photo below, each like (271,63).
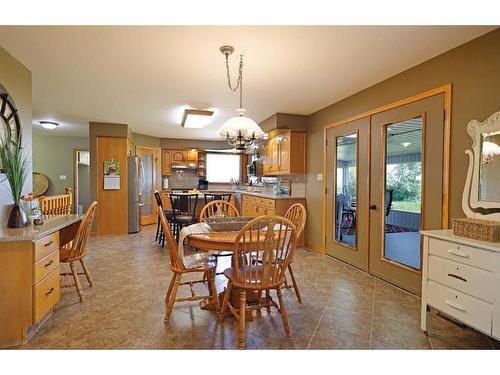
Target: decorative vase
(17,217)
(31,219)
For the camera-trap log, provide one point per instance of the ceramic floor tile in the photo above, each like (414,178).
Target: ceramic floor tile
(343,308)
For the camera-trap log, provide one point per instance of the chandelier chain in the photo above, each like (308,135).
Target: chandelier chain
(239,81)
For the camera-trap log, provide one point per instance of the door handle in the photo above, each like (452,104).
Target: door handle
(372,206)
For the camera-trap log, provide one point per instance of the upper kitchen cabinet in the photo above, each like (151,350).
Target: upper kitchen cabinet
(192,156)
(166,162)
(179,156)
(285,153)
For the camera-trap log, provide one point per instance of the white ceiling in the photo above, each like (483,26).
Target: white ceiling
(145,76)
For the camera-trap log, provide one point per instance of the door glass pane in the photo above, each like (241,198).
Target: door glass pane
(403,192)
(147,194)
(345,189)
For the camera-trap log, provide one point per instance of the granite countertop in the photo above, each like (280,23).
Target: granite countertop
(254,193)
(35,232)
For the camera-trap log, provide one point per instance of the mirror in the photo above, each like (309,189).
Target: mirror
(481,197)
(489,172)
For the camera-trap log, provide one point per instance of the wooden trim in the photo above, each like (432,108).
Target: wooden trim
(314,248)
(444,89)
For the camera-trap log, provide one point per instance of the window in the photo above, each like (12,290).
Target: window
(223,167)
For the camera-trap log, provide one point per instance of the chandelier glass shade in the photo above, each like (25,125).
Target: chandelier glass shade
(240,131)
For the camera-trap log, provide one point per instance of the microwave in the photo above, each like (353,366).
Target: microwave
(256,168)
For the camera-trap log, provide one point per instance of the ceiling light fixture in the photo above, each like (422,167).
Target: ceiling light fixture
(196,118)
(405,144)
(239,131)
(50,125)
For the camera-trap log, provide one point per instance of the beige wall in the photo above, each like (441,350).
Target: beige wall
(16,79)
(193,143)
(474,71)
(53,156)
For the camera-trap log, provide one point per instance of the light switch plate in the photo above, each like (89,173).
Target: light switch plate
(319,177)
(62,177)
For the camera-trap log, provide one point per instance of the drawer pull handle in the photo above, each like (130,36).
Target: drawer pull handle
(455,305)
(48,243)
(51,290)
(50,263)
(460,254)
(458,277)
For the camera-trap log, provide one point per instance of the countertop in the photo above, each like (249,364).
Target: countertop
(35,232)
(447,235)
(256,194)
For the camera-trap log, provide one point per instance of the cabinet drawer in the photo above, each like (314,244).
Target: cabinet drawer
(266,202)
(474,281)
(469,310)
(462,253)
(45,295)
(46,246)
(45,266)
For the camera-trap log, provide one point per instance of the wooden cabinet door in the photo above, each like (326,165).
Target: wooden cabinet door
(266,160)
(178,156)
(274,155)
(192,156)
(284,154)
(166,162)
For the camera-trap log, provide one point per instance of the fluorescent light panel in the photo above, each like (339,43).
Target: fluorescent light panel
(196,118)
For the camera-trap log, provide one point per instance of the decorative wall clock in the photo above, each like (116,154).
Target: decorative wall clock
(10,127)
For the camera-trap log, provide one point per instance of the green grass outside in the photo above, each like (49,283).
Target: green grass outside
(410,206)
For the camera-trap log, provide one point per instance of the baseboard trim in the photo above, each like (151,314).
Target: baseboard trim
(314,248)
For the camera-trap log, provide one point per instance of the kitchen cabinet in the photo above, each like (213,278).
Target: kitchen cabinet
(254,206)
(201,171)
(285,153)
(192,156)
(179,156)
(166,162)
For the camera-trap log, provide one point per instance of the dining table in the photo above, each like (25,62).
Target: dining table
(202,237)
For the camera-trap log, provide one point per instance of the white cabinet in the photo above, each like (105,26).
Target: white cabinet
(461,278)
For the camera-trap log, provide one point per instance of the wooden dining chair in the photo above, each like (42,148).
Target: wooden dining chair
(76,250)
(180,265)
(272,241)
(219,208)
(297,215)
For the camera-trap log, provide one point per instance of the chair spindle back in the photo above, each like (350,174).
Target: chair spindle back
(176,263)
(269,241)
(297,215)
(79,244)
(218,209)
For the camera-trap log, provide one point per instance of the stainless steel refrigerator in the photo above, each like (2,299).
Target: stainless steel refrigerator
(135,189)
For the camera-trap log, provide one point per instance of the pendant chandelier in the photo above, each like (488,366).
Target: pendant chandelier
(239,131)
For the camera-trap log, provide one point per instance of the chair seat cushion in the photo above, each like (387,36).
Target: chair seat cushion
(199,260)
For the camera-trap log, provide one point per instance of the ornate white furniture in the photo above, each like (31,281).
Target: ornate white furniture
(461,278)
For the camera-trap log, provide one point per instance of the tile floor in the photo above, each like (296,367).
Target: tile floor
(343,308)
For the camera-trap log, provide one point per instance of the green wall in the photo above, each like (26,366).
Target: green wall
(53,156)
(15,78)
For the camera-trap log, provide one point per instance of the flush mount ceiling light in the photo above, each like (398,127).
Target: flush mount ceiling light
(196,118)
(239,131)
(49,124)
(405,144)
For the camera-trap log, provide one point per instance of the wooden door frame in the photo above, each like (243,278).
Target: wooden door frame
(447,91)
(158,151)
(75,151)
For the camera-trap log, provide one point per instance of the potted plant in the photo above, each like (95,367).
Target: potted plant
(15,166)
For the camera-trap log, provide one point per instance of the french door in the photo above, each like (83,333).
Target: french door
(384,183)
